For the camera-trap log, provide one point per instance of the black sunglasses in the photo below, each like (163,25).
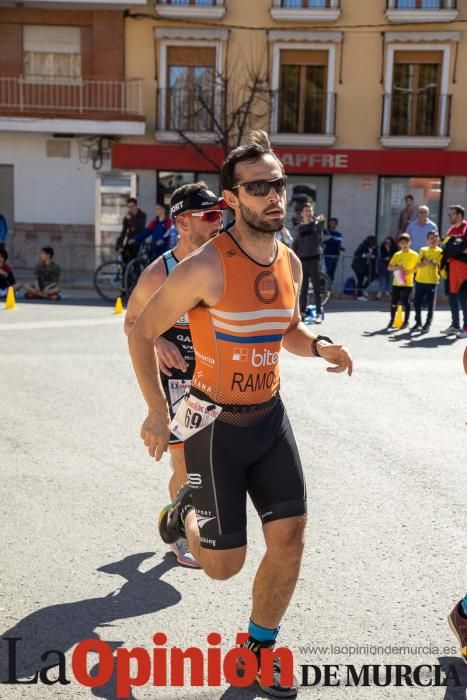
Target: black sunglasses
(261,188)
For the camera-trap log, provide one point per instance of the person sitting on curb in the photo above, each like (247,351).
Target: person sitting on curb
(7,278)
(47,274)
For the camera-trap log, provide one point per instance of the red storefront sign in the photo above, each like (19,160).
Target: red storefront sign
(297,160)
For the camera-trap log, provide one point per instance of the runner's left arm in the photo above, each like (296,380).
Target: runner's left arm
(298,338)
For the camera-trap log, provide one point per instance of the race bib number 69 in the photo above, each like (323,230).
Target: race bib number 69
(192,416)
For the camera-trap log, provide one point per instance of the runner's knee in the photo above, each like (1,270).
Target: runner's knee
(224,565)
(285,538)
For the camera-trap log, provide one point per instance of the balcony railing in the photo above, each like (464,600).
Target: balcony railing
(77,97)
(422,4)
(313,116)
(421,113)
(188,2)
(309,4)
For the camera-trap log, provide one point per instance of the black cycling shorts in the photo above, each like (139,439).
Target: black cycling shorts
(225,462)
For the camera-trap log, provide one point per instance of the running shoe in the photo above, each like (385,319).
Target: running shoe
(451,330)
(183,554)
(426,327)
(276,690)
(172,517)
(458,624)
(462,333)
(416,327)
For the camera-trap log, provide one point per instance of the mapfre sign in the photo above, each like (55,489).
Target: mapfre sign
(325,161)
(297,160)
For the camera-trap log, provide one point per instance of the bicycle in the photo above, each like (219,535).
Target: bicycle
(135,267)
(109,279)
(325,290)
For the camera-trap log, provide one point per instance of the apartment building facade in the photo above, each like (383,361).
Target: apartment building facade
(364,102)
(367,99)
(64,98)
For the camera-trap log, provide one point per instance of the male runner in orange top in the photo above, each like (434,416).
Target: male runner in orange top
(241,289)
(197,214)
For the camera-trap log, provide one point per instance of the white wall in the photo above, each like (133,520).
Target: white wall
(48,190)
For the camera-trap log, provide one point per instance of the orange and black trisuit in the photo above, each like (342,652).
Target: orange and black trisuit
(250,448)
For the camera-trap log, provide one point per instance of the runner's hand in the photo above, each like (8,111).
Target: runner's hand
(155,433)
(338,356)
(169,357)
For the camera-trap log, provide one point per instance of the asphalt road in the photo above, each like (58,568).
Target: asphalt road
(384,456)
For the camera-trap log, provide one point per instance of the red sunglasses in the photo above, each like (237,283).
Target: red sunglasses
(211,215)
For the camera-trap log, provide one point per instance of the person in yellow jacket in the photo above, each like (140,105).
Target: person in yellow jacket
(426,280)
(403,264)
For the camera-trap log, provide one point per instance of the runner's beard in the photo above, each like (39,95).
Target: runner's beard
(259,225)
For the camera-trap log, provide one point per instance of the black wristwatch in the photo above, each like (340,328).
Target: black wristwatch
(314,344)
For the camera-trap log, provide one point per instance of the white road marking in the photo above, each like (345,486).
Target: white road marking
(76,323)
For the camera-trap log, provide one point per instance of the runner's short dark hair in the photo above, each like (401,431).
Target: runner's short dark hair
(459,209)
(257,146)
(48,250)
(333,218)
(132,200)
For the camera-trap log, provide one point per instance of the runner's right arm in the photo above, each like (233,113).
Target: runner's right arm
(152,278)
(192,282)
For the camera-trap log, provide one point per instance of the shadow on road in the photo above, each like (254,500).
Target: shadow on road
(62,626)
(428,341)
(250,693)
(452,666)
(370,334)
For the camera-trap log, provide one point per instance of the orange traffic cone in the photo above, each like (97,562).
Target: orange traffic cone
(118,306)
(10,303)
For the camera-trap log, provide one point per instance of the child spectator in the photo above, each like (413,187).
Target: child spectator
(403,264)
(7,278)
(426,280)
(47,274)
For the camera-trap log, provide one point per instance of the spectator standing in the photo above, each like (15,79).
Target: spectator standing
(426,280)
(454,269)
(387,249)
(332,247)
(364,265)
(407,215)
(420,228)
(308,245)
(159,230)
(133,224)
(7,278)
(47,274)
(403,264)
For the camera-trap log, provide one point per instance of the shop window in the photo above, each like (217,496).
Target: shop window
(303,188)
(393,213)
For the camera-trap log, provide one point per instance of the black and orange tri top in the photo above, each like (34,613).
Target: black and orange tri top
(237,341)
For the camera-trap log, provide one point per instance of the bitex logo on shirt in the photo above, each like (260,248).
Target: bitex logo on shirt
(259,358)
